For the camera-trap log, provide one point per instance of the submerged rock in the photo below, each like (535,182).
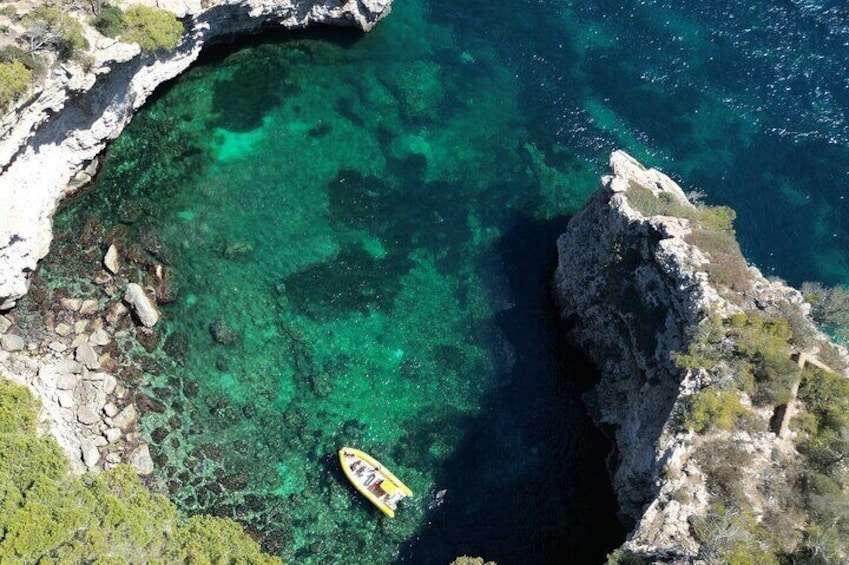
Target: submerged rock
(40,160)
(222,332)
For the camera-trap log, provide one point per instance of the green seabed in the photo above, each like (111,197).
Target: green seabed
(367,223)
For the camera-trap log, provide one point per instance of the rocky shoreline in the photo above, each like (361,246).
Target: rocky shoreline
(67,357)
(636,289)
(69,349)
(51,141)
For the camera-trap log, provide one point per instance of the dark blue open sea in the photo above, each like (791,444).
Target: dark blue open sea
(373,219)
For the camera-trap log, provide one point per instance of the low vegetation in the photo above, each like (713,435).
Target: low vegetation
(152,28)
(48,516)
(800,514)
(55,30)
(48,27)
(712,232)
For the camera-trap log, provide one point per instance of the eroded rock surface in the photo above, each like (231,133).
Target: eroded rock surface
(51,140)
(635,289)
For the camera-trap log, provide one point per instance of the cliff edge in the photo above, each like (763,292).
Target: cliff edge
(702,359)
(50,139)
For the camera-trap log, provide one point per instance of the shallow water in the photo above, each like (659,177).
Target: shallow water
(370,223)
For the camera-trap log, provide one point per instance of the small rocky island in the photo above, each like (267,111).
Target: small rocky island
(727,406)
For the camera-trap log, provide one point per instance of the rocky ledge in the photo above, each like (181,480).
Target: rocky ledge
(50,142)
(636,287)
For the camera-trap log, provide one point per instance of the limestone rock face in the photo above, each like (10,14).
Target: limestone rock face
(632,285)
(52,140)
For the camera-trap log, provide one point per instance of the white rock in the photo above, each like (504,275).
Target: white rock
(99,337)
(79,340)
(86,415)
(67,381)
(113,457)
(5,324)
(63,329)
(112,435)
(65,398)
(86,355)
(127,418)
(12,342)
(110,409)
(89,306)
(72,304)
(142,304)
(57,346)
(110,260)
(109,383)
(140,460)
(91,455)
(80,326)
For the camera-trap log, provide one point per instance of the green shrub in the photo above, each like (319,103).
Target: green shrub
(17,407)
(11,54)
(110,22)
(713,408)
(48,516)
(49,27)
(153,29)
(727,267)
(14,80)
(733,537)
(8,11)
(204,540)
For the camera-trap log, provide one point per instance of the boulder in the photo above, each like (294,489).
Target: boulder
(112,435)
(91,455)
(89,306)
(66,381)
(86,355)
(142,305)
(115,313)
(140,460)
(126,419)
(110,260)
(72,304)
(12,342)
(99,337)
(5,324)
(86,415)
(110,409)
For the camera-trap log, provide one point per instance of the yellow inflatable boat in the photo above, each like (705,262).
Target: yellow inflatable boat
(373,480)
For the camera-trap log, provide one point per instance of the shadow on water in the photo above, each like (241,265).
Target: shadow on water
(528,483)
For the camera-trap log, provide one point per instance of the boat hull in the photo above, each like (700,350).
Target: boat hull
(348,454)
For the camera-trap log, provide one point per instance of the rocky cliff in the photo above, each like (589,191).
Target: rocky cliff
(50,141)
(637,285)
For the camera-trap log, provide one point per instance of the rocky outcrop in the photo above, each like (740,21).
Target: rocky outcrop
(635,289)
(49,143)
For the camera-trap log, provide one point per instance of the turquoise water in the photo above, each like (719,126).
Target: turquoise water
(367,226)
